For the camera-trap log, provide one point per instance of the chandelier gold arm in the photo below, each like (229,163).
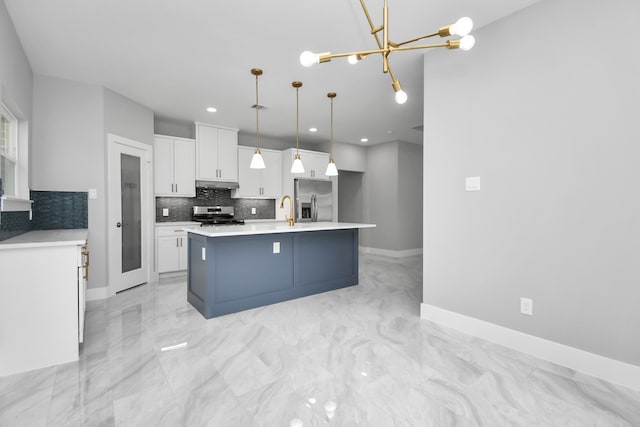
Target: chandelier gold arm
(451,44)
(386,46)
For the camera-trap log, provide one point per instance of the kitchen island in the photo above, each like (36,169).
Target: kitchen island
(238,267)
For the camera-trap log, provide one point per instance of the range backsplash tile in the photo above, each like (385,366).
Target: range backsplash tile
(60,210)
(180,208)
(13,224)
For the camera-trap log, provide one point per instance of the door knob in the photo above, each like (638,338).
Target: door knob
(118,224)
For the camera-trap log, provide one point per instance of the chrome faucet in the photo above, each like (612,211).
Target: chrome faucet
(289,219)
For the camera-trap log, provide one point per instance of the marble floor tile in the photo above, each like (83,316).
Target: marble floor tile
(359,356)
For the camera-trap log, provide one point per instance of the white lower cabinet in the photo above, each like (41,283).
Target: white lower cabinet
(171,249)
(42,302)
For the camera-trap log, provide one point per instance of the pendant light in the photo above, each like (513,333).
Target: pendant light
(257,162)
(297,166)
(331,167)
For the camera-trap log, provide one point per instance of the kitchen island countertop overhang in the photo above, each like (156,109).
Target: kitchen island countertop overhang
(239,267)
(271,227)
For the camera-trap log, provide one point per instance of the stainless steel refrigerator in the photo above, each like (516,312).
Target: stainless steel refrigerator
(314,200)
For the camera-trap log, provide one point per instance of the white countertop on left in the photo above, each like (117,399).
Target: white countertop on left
(44,238)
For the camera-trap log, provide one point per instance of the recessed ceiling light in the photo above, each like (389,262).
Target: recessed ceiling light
(313,129)
(212,109)
(364,139)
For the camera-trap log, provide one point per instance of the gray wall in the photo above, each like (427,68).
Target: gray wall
(127,118)
(71,121)
(16,90)
(348,157)
(390,191)
(15,71)
(549,123)
(171,127)
(410,196)
(350,204)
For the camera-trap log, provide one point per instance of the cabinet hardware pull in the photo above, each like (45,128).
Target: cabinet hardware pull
(177,242)
(176,188)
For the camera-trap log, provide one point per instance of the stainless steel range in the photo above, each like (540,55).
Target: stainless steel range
(215,215)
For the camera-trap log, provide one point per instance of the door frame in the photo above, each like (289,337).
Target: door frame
(146,208)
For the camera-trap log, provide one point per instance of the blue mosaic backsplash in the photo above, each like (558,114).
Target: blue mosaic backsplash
(60,210)
(13,224)
(180,208)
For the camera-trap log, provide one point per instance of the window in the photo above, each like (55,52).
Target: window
(8,152)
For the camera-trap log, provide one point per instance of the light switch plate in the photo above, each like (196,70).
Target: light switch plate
(93,193)
(472,183)
(204,254)
(165,211)
(276,247)
(253,211)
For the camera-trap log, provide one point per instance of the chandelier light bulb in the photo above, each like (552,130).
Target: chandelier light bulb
(462,27)
(401,96)
(309,58)
(467,42)
(353,59)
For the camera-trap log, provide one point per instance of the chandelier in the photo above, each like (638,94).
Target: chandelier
(461,28)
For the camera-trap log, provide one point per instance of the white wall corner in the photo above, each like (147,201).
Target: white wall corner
(592,364)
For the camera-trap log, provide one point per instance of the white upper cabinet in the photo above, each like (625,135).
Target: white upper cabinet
(217,153)
(314,162)
(261,183)
(174,166)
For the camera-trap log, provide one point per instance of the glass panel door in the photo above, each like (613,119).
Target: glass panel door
(131,212)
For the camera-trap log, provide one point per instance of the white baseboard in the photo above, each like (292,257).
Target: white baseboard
(390,253)
(96,294)
(592,364)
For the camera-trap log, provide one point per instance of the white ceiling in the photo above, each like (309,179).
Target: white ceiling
(178,57)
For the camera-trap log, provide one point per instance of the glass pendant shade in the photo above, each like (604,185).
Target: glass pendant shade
(331,169)
(297,166)
(257,162)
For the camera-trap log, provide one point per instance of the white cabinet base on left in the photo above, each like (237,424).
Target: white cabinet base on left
(38,307)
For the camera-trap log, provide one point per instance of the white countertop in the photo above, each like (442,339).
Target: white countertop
(177,224)
(271,227)
(43,238)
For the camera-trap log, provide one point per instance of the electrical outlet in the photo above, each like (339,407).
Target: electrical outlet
(253,211)
(165,211)
(276,247)
(526,306)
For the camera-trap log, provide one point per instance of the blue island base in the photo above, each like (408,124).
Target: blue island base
(236,273)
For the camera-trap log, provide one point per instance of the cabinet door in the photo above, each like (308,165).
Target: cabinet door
(185,168)
(183,252)
(168,254)
(228,155)
(272,175)
(207,153)
(317,165)
(248,179)
(163,167)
